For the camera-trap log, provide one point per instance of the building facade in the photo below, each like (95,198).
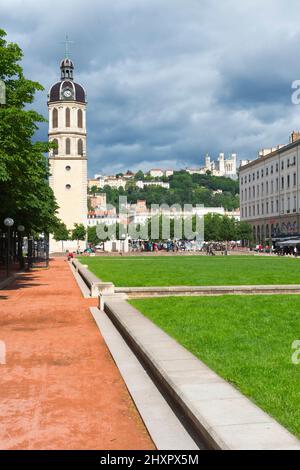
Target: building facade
(269,192)
(68,161)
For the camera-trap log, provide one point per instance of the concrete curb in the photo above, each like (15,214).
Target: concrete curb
(164,427)
(220,414)
(137,292)
(95,285)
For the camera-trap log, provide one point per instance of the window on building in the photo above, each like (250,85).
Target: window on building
(262,173)
(80,147)
(272,207)
(272,187)
(272,170)
(282,165)
(68,146)
(262,209)
(277,167)
(267,171)
(288,163)
(294,179)
(55,151)
(295,204)
(68,117)
(79,118)
(68,186)
(288,205)
(54,118)
(282,182)
(277,205)
(288,181)
(267,187)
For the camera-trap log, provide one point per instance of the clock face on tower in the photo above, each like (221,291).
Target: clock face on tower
(67,93)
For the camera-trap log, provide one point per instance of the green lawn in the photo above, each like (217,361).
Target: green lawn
(245,339)
(194,270)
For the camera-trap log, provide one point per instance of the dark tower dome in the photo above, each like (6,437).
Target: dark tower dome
(66,89)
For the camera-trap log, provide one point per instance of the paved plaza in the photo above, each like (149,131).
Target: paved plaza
(60,388)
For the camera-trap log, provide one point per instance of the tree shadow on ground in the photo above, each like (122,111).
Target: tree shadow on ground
(24,281)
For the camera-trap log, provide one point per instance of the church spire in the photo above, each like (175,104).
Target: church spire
(66,65)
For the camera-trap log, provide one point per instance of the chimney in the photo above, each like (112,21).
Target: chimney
(294,137)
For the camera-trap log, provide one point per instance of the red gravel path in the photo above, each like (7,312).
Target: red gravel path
(60,388)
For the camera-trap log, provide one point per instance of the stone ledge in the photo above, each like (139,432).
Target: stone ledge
(218,412)
(136,292)
(164,427)
(96,286)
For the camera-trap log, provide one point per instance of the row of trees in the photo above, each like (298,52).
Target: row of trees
(24,190)
(61,233)
(216,228)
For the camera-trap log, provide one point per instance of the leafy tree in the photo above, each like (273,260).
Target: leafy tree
(92,235)
(61,233)
(79,232)
(139,176)
(227,230)
(25,193)
(244,231)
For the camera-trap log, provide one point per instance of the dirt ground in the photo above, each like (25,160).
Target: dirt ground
(60,388)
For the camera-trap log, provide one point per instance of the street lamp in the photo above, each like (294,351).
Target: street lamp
(8,222)
(21,229)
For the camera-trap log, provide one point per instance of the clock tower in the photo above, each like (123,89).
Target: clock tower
(68,161)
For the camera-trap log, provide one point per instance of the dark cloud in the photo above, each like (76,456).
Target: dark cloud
(168,81)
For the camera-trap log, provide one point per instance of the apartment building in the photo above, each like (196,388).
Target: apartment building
(269,191)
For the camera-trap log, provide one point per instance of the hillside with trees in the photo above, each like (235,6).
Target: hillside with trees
(211,191)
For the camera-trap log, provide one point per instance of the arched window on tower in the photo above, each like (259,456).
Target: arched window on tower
(54,118)
(80,147)
(79,118)
(68,146)
(55,150)
(68,117)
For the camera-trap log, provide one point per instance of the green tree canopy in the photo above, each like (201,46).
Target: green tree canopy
(79,232)
(24,189)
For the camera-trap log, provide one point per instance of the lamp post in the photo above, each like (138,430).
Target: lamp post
(8,222)
(21,229)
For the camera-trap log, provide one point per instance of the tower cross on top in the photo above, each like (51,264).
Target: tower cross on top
(67,42)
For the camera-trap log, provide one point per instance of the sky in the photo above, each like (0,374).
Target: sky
(167,80)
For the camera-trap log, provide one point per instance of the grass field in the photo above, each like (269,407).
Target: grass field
(145,271)
(245,339)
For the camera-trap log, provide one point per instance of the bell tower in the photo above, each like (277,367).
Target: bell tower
(68,161)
